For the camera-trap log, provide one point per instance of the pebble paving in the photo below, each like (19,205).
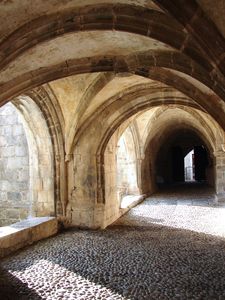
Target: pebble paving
(171,246)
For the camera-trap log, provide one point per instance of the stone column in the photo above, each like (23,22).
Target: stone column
(220,175)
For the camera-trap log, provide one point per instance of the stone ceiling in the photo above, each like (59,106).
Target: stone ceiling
(90,54)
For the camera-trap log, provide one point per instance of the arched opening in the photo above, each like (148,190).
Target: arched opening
(122,189)
(174,133)
(126,165)
(189,166)
(183,157)
(15,199)
(26,156)
(161,138)
(195,164)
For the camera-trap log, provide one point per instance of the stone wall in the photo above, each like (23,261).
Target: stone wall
(220,175)
(14,167)
(126,165)
(112,200)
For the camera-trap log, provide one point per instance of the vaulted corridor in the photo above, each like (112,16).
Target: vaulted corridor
(112,143)
(169,247)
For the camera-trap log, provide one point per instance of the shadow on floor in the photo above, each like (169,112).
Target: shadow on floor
(11,288)
(187,193)
(187,187)
(136,262)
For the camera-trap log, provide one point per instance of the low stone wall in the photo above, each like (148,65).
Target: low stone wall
(14,167)
(24,233)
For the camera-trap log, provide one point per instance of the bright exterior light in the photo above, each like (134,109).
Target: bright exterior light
(198,218)
(6,230)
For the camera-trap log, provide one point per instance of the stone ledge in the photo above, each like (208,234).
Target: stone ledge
(130,201)
(25,233)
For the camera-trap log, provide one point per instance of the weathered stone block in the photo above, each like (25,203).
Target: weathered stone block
(3,196)
(15,163)
(21,151)
(17,130)
(5,185)
(9,120)
(3,141)
(20,185)
(8,151)
(14,196)
(25,233)
(6,110)
(23,174)
(13,213)
(7,130)
(11,175)
(24,213)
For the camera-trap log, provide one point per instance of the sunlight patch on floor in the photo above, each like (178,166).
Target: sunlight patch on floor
(199,218)
(47,279)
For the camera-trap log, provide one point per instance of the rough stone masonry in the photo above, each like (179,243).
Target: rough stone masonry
(14,167)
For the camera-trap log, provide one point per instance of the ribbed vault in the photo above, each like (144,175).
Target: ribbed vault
(98,69)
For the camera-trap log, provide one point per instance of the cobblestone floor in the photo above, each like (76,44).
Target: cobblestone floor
(159,250)
(188,206)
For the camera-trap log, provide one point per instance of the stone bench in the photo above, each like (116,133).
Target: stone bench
(26,232)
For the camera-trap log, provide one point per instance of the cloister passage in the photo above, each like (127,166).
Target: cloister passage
(161,249)
(109,97)
(170,164)
(147,152)
(158,70)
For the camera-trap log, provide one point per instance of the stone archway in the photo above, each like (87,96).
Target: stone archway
(26,163)
(15,185)
(159,144)
(41,157)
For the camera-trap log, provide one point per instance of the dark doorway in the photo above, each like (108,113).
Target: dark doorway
(201,162)
(170,165)
(177,164)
